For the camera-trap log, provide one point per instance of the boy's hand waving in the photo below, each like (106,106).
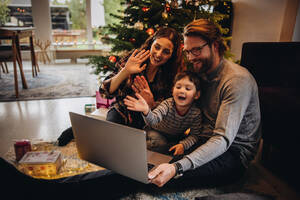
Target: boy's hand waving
(137,104)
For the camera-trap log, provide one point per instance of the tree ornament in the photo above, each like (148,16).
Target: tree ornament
(168,8)
(139,25)
(150,31)
(112,59)
(105,67)
(164,15)
(181,45)
(145,9)
(132,40)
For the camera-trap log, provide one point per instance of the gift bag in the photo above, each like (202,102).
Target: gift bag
(102,102)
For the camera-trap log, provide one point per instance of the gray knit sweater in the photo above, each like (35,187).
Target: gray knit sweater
(231,115)
(165,119)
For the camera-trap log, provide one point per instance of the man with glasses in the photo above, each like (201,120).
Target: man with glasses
(231,114)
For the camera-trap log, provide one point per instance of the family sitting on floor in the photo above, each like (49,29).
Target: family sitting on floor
(216,101)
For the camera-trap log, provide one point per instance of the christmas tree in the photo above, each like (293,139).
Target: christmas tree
(141,18)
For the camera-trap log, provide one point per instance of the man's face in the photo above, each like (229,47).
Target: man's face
(199,53)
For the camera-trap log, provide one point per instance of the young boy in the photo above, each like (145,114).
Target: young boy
(170,119)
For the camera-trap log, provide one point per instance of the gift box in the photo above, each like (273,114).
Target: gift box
(41,163)
(102,102)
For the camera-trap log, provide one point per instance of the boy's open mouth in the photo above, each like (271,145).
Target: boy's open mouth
(181,98)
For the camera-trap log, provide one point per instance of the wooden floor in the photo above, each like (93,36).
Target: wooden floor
(46,119)
(38,119)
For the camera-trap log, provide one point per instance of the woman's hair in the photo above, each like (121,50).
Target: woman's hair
(175,62)
(193,77)
(208,31)
(168,69)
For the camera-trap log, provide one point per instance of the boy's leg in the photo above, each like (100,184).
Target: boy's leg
(157,142)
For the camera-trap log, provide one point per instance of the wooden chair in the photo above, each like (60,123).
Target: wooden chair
(9,53)
(30,47)
(4,67)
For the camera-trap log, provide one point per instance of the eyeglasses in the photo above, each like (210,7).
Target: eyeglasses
(196,51)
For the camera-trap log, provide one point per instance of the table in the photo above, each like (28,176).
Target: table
(23,32)
(15,34)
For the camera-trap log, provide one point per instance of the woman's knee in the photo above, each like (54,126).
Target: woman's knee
(114,116)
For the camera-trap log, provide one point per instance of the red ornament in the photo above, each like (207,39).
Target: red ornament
(112,59)
(150,31)
(168,8)
(145,9)
(132,40)
(182,46)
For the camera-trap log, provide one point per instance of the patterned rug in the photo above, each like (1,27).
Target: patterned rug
(53,81)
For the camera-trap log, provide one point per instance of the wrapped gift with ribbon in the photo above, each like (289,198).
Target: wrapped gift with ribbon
(102,102)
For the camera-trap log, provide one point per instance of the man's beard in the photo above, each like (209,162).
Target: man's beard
(207,64)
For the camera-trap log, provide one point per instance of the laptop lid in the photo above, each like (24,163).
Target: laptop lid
(113,146)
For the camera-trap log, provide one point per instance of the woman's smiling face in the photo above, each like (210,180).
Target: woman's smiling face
(161,51)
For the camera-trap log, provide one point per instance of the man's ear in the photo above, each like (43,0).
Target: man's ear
(198,94)
(216,46)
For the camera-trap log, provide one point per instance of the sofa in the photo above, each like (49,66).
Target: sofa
(276,68)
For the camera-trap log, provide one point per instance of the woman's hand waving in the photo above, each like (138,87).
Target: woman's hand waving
(133,64)
(140,86)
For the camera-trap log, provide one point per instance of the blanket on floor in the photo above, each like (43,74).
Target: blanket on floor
(250,187)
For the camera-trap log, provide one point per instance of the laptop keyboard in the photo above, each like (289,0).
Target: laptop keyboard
(150,166)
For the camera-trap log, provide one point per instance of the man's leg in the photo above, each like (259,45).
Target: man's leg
(224,169)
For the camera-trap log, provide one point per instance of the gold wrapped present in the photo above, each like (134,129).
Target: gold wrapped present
(41,163)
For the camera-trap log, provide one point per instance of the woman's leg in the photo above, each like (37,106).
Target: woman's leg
(66,136)
(114,116)
(137,120)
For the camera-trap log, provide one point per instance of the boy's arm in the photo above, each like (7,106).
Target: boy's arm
(139,104)
(156,116)
(193,137)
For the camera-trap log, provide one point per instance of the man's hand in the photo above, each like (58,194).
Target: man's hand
(141,86)
(162,174)
(179,149)
(137,104)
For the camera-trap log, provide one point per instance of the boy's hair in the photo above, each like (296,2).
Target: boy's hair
(193,77)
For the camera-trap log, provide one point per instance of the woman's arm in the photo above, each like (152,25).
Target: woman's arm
(132,66)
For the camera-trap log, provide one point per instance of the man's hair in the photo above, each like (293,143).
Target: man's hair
(193,77)
(208,31)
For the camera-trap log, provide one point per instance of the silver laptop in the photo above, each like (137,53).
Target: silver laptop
(119,148)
